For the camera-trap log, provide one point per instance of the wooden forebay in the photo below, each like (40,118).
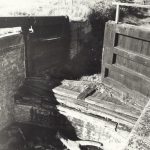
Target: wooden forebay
(126,57)
(101,104)
(72,104)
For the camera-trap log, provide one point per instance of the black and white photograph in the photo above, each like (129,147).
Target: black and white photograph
(74,74)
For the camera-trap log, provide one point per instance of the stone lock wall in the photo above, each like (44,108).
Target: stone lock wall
(12,73)
(84,50)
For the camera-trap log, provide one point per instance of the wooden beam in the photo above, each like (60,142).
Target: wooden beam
(7,22)
(133,31)
(124,109)
(116,117)
(140,99)
(87,92)
(99,107)
(139,58)
(117,13)
(126,5)
(134,80)
(131,5)
(65,92)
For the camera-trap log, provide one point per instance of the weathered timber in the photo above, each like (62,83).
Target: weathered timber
(102,105)
(108,114)
(86,92)
(89,107)
(139,100)
(128,62)
(72,105)
(122,108)
(133,65)
(65,100)
(139,58)
(76,83)
(133,80)
(121,95)
(6,22)
(65,92)
(133,31)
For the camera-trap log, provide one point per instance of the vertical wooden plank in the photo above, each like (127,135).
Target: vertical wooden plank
(109,42)
(117,13)
(120,37)
(117,76)
(120,44)
(146,71)
(123,42)
(113,75)
(145,88)
(136,46)
(126,46)
(145,43)
(127,43)
(104,53)
(119,60)
(144,49)
(25,31)
(129,64)
(134,65)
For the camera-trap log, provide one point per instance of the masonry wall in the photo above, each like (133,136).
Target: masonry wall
(12,73)
(84,50)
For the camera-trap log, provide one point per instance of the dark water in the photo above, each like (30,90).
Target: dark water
(20,136)
(29,137)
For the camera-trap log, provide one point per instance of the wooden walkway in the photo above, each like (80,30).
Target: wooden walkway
(98,103)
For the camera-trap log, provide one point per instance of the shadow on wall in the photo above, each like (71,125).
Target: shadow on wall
(37,95)
(84,51)
(86,44)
